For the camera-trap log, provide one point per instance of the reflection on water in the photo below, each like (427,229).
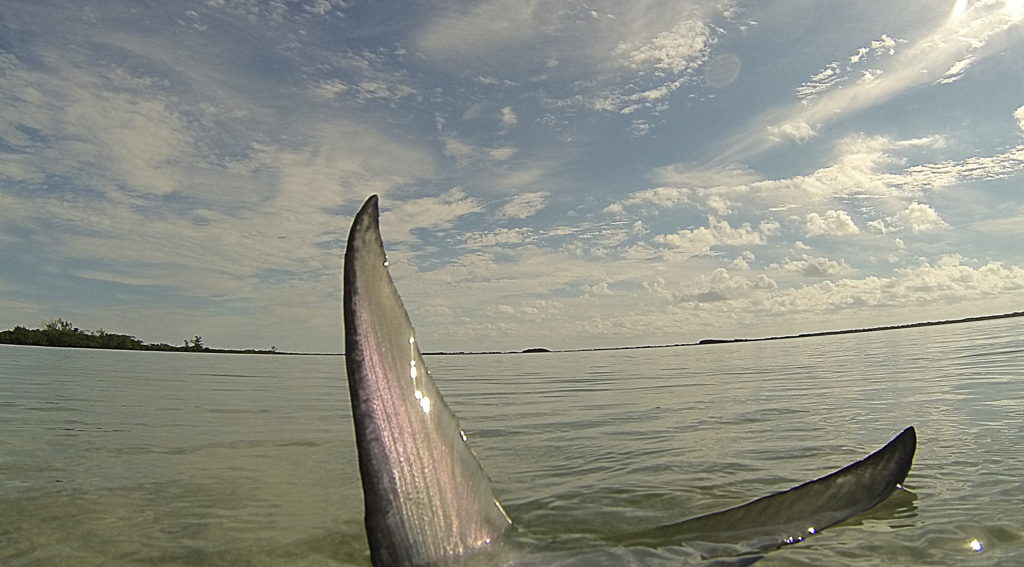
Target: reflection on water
(167,458)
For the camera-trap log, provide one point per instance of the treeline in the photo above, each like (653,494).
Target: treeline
(61,333)
(869,329)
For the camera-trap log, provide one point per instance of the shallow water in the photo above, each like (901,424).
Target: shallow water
(147,458)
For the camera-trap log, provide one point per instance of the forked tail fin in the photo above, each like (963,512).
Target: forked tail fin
(802,511)
(427,499)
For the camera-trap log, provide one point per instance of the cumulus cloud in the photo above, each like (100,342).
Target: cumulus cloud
(719,285)
(702,239)
(816,267)
(1019,116)
(832,223)
(918,217)
(950,278)
(743,261)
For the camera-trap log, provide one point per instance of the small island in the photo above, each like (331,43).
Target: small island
(61,333)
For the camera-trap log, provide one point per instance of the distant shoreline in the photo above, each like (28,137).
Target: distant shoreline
(704,342)
(75,338)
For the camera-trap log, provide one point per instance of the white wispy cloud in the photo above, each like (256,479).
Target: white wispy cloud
(502,153)
(523,205)
(837,72)
(108,129)
(434,213)
(860,165)
(921,60)
(484,28)
(497,237)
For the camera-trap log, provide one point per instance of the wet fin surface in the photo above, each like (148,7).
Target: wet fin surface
(427,499)
(800,512)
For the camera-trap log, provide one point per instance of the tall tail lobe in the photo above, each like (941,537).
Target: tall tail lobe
(427,499)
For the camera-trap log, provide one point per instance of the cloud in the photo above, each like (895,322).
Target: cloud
(860,166)
(841,302)
(832,223)
(104,127)
(797,130)
(210,166)
(497,236)
(822,81)
(701,240)
(685,175)
(947,47)
(675,51)
(502,153)
(484,28)
(956,71)
(720,285)
(179,190)
(433,213)
(949,279)
(836,72)
(508,117)
(930,176)
(523,205)
(916,218)
(816,267)
(459,150)
(664,197)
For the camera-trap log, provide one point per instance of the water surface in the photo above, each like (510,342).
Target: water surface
(149,458)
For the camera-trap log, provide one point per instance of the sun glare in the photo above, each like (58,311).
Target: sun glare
(959,7)
(1015,8)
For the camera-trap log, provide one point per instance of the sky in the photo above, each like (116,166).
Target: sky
(552,173)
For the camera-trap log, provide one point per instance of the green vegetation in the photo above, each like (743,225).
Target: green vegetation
(61,333)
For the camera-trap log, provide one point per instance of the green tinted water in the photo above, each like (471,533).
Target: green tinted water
(187,459)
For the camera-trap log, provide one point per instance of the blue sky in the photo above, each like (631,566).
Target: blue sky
(552,173)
